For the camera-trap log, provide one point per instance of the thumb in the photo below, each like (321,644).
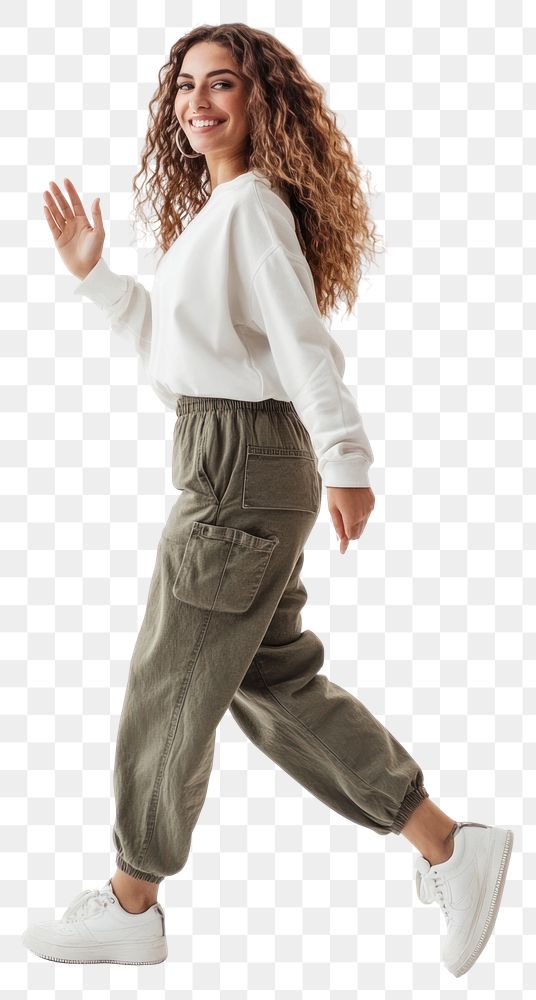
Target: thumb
(96,213)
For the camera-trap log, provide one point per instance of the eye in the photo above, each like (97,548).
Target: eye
(224,82)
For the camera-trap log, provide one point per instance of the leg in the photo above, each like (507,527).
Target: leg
(431,831)
(188,660)
(317,731)
(222,565)
(134,894)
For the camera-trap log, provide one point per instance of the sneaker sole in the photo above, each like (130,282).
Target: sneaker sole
(123,953)
(502,851)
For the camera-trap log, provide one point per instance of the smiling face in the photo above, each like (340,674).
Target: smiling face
(211,88)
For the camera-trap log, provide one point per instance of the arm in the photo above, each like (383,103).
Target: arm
(284,307)
(126,304)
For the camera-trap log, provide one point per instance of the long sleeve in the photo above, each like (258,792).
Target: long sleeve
(310,366)
(126,304)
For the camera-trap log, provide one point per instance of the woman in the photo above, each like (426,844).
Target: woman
(263,227)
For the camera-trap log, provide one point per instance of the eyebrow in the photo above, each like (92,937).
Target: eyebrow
(214,72)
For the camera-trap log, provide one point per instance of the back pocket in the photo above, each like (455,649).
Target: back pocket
(222,567)
(281,479)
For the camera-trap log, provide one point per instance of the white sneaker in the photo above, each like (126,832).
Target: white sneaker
(468,887)
(96,928)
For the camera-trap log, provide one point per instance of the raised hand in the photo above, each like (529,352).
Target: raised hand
(78,243)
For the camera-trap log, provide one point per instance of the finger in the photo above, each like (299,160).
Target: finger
(57,204)
(54,210)
(51,222)
(62,200)
(96,213)
(53,225)
(76,202)
(338,523)
(361,527)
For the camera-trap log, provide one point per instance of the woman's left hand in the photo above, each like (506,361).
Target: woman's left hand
(350,508)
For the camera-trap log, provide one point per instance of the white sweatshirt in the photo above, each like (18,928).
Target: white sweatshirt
(233,312)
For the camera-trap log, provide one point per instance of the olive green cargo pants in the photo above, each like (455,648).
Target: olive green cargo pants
(222,630)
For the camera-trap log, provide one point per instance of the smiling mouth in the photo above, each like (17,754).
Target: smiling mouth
(200,128)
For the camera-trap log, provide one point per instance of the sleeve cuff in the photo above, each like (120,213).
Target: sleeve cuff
(101,285)
(351,472)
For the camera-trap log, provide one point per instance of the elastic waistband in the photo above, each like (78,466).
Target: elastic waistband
(192,404)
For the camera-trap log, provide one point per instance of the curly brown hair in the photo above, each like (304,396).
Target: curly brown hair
(293,140)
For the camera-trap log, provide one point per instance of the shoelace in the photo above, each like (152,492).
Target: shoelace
(84,903)
(430,885)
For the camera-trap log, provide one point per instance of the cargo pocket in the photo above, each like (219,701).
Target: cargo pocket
(281,479)
(222,567)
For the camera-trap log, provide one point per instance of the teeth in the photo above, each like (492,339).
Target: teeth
(204,123)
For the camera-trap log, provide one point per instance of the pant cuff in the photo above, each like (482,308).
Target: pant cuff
(414,796)
(136,872)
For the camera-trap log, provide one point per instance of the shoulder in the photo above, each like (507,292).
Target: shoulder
(270,198)
(258,208)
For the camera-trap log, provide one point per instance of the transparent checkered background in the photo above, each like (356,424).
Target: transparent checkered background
(428,619)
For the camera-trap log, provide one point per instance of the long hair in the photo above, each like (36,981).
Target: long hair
(293,140)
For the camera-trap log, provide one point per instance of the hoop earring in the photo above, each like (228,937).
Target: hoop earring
(191,156)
